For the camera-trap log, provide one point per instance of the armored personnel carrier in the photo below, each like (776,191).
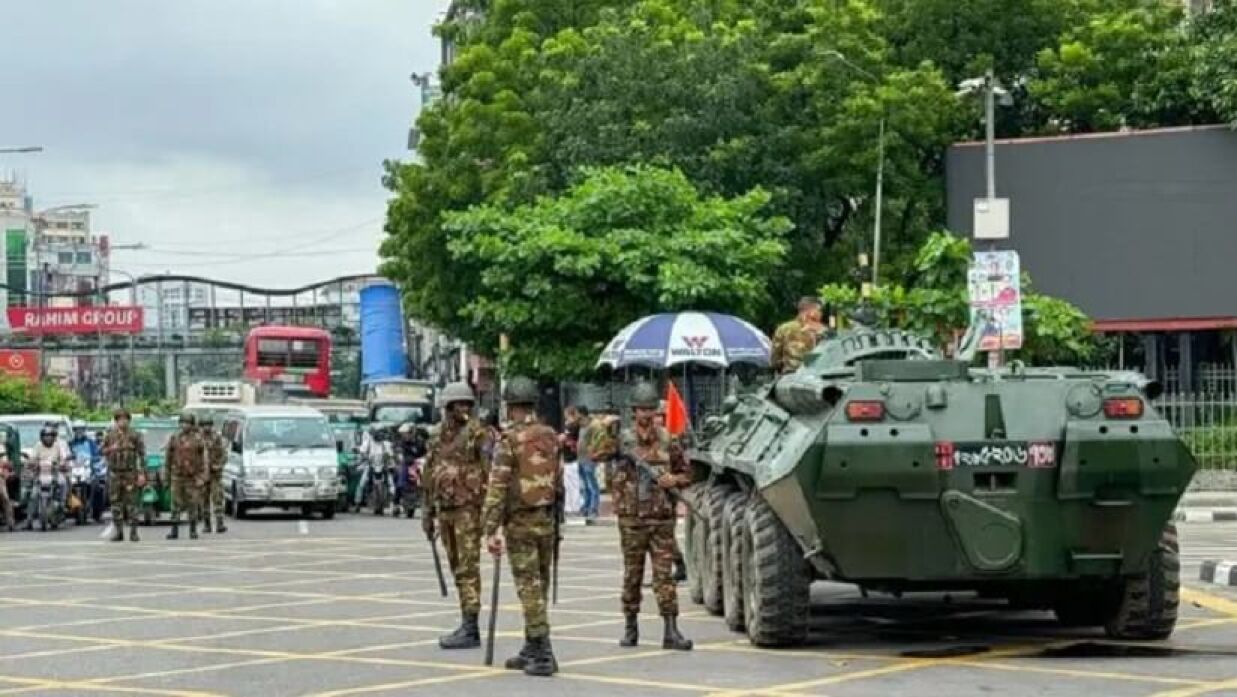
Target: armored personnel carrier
(882,464)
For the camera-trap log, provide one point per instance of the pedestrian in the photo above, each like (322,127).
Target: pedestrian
(569,440)
(126,474)
(591,504)
(522,498)
(185,459)
(454,484)
(216,458)
(794,339)
(645,464)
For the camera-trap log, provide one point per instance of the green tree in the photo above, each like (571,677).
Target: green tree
(1128,65)
(932,301)
(1213,59)
(562,275)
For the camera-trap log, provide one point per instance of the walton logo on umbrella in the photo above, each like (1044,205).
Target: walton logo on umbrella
(696,347)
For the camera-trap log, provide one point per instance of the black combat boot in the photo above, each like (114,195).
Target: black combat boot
(220,528)
(631,633)
(542,663)
(133,532)
(118,532)
(174,533)
(466,636)
(672,639)
(193,529)
(206,524)
(521,659)
(680,568)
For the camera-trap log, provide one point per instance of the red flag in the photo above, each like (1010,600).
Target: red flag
(676,411)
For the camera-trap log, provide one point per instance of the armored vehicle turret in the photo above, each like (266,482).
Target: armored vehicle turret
(881,463)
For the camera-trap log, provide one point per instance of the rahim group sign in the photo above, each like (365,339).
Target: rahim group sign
(107,319)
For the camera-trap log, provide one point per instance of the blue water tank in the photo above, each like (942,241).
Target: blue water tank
(383,354)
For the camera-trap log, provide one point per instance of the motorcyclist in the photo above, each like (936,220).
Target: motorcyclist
(6,505)
(47,457)
(410,446)
(376,452)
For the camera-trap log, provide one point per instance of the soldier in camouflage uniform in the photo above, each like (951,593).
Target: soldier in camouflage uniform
(185,459)
(646,513)
(524,497)
(126,474)
(454,478)
(794,339)
(216,458)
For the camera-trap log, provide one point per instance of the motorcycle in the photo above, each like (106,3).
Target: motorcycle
(79,493)
(98,490)
(410,493)
(45,503)
(378,484)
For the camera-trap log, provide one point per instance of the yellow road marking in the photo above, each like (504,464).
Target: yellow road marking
(1215,603)
(44,684)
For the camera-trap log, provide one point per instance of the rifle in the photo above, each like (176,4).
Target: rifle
(442,581)
(675,496)
(489,636)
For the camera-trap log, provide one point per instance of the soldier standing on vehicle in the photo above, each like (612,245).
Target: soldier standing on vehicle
(794,339)
(454,484)
(645,463)
(126,474)
(186,462)
(216,458)
(524,494)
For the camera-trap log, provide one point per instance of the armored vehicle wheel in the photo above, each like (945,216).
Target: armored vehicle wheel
(776,583)
(1148,606)
(695,536)
(715,501)
(732,563)
(328,511)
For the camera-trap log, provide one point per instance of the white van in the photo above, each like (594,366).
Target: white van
(280,456)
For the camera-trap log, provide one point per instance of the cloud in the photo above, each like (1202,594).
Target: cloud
(231,126)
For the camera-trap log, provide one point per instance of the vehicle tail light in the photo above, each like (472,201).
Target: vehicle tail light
(865,410)
(1123,408)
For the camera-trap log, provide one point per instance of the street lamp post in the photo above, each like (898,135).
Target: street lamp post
(880,166)
(132,303)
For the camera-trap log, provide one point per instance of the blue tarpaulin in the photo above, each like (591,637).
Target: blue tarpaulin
(382,334)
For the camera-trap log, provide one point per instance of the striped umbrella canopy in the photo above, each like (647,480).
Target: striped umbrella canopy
(709,338)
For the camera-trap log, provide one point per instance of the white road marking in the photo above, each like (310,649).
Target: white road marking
(303,526)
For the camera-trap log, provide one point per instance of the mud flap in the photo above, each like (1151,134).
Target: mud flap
(990,538)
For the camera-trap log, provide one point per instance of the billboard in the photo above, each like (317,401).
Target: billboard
(22,363)
(85,319)
(203,318)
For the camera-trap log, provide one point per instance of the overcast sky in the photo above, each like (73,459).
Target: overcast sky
(208,129)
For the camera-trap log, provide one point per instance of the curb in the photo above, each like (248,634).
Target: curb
(1220,573)
(1205,515)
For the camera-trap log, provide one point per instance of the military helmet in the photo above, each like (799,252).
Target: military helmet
(456,392)
(187,418)
(206,420)
(121,411)
(520,390)
(645,395)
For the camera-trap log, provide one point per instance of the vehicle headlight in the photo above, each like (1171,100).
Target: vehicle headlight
(328,472)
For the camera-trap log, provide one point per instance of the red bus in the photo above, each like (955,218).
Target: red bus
(298,358)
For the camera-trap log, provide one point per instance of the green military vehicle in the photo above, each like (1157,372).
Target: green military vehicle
(881,464)
(157,495)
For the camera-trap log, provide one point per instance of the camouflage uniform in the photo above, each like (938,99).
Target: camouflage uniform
(186,462)
(216,458)
(646,514)
(454,475)
(791,342)
(126,463)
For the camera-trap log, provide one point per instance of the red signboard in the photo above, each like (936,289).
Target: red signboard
(84,319)
(21,363)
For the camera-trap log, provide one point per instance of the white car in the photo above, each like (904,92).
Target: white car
(280,456)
